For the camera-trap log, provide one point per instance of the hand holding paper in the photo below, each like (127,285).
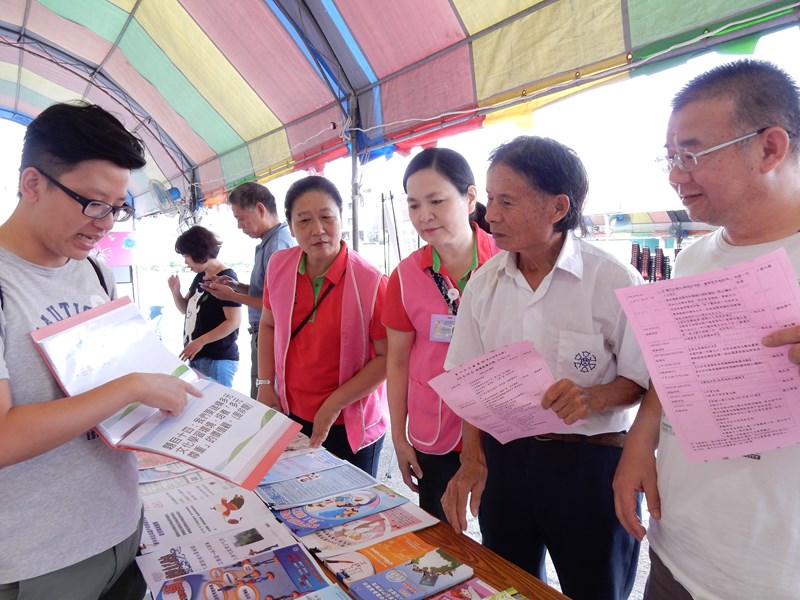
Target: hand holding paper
(501,392)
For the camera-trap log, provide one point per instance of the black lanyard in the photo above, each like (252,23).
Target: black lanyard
(313,310)
(438,278)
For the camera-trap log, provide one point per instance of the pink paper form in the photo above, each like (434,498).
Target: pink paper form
(725,394)
(501,392)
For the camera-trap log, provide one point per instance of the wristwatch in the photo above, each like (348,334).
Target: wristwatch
(260,382)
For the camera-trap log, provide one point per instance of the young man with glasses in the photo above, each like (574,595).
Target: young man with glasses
(71,520)
(729,528)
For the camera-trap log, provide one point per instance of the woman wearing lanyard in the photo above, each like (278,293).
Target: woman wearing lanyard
(321,345)
(421,306)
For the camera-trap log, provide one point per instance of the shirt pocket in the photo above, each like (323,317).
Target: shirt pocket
(582,357)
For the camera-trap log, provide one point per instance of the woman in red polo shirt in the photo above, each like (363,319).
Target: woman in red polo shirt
(321,345)
(421,306)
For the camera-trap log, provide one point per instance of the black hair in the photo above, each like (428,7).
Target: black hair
(247,195)
(763,95)
(198,243)
(66,134)
(447,163)
(551,167)
(312,183)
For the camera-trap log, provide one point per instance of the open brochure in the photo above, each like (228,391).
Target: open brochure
(254,536)
(223,432)
(194,510)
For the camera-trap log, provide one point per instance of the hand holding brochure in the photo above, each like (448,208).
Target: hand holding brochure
(501,392)
(223,432)
(726,394)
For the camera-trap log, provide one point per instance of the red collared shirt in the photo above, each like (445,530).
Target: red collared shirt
(312,360)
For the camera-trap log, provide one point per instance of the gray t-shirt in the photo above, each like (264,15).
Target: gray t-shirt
(277,238)
(78,499)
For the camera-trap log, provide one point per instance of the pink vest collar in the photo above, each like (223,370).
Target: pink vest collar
(365,420)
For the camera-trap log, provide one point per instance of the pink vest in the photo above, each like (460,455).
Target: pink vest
(365,420)
(432,427)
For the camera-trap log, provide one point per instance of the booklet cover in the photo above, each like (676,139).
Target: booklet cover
(314,486)
(223,432)
(368,530)
(415,579)
(338,509)
(284,573)
(353,566)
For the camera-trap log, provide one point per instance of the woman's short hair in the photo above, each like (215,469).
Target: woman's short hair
(198,243)
(312,183)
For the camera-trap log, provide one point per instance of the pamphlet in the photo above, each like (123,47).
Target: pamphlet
(332,592)
(197,509)
(212,550)
(314,486)
(473,589)
(415,579)
(300,465)
(501,392)
(366,531)
(340,508)
(284,573)
(223,432)
(353,566)
(726,394)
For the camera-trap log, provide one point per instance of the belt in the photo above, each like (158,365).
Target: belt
(601,439)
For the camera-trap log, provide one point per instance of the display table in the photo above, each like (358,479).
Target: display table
(493,569)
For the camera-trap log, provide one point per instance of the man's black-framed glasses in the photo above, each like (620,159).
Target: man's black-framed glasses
(94,209)
(687,161)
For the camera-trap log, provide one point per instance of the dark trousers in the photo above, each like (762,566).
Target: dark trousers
(557,496)
(253,360)
(661,585)
(437,471)
(366,459)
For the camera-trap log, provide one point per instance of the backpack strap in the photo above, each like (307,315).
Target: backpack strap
(97,270)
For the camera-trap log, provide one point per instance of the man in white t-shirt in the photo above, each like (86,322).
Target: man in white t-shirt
(71,519)
(723,529)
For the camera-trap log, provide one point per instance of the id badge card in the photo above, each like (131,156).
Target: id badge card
(442,328)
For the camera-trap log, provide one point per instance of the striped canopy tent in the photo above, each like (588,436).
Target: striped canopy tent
(226,91)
